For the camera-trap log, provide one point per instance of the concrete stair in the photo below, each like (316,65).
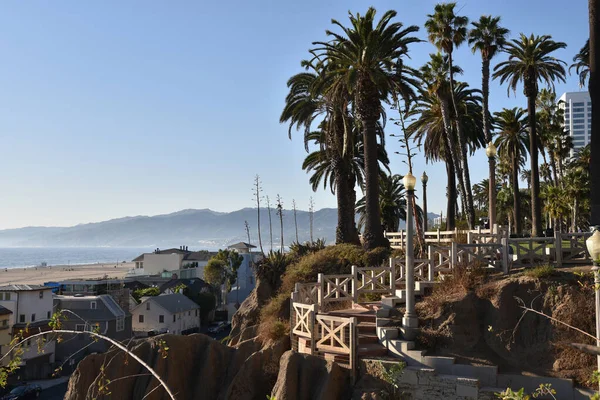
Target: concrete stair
(368,342)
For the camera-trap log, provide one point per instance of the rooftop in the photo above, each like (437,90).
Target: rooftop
(110,311)
(241,245)
(4,311)
(202,255)
(173,303)
(23,288)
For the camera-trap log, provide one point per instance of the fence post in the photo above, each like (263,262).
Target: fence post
(558,248)
(430,271)
(313,333)
(505,260)
(438,236)
(392,279)
(354,284)
(321,289)
(353,346)
(479,229)
(453,255)
(455,234)
(401,239)
(292,322)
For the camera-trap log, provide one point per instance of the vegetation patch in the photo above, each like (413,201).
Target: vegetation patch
(541,272)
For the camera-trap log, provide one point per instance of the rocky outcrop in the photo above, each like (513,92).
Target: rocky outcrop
(305,377)
(195,367)
(245,320)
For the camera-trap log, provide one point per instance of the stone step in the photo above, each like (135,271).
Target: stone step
(371,350)
(366,339)
(399,347)
(367,327)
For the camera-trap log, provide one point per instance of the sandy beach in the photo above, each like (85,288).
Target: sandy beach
(39,275)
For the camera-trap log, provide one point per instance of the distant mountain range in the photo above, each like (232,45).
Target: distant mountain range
(194,228)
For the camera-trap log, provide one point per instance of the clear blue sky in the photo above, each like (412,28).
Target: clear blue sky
(115,108)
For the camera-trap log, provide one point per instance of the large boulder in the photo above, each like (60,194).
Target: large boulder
(306,377)
(244,321)
(194,367)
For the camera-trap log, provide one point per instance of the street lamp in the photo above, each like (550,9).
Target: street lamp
(593,247)
(410,321)
(424,179)
(491,152)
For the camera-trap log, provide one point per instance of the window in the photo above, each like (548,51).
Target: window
(147,306)
(4,323)
(93,305)
(120,324)
(80,328)
(32,317)
(22,318)
(577,110)
(173,317)
(196,313)
(579,104)
(6,296)
(95,327)
(41,294)
(189,313)
(578,115)
(178,316)
(161,319)
(141,318)
(48,315)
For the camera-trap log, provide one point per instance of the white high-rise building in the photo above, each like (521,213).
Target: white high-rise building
(578,117)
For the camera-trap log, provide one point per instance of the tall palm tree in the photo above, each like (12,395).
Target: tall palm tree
(530,61)
(437,84)
(438,137)
(307,101)
(365,57)
(488,37)
(581,63)
(512,144)
(392,203)
(448,31)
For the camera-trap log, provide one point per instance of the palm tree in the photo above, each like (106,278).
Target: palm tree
(512,144)
(530,61)
(488,37)
(431,130)
(526,176)
(581,63)
(392,203)
(306,101)
(365,57)
(446,30)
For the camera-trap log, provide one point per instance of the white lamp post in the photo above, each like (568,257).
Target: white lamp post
(593,247)
(424,179)
(410,321)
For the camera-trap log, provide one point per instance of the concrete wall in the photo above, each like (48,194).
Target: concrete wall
(157,263)
(183,320)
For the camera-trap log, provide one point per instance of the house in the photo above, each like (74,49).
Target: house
(246,280)
(5,333)
(30,309)
(100,313)
(172,313)
(182,262)
(117,288)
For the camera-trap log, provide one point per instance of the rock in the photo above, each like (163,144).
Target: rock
(195,367)
(306,377)
(248,314)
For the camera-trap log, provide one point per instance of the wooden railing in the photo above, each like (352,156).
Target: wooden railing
(532,251)
(421,268)
(439,237)
(576,252)
(379,280)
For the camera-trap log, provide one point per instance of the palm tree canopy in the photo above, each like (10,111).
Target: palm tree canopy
(512,140)
(530,62)
(445,29)
(581,63)
(371,51)
(487,36)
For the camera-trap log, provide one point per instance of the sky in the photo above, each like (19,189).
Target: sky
(111,109)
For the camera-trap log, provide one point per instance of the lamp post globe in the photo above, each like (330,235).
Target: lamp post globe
(424,178)
(593,245)
(409,182)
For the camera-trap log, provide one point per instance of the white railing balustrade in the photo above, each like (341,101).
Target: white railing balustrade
(379,280)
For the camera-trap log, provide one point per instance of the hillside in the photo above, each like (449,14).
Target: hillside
(195,228)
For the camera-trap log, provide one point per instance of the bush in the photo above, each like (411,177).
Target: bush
(541,272)
(298,250)
(272,267)
(139,293)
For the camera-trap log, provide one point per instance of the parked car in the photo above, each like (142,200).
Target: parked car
(219,327)
(23,392)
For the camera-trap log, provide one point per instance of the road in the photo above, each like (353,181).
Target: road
(54,393)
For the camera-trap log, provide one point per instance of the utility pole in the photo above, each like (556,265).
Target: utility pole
(295,219)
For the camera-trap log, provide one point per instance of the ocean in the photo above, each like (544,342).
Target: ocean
(14,257)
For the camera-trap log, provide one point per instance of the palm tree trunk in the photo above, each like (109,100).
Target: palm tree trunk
(536,210)
(516,194)
(346,228)
(368,111)
(574,221)
(485,88)
(554,169)
(452,150)
(451,204)
(594,11)
(462,150)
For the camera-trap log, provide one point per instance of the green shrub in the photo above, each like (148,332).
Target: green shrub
(541,272)
(139,293)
